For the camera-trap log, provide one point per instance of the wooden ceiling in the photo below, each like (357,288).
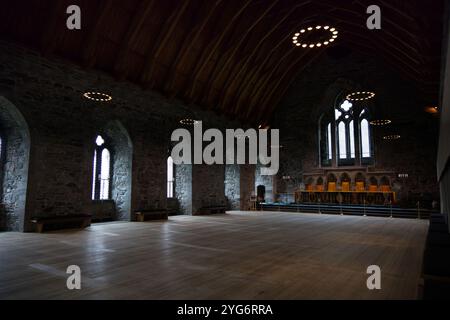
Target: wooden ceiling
(232,56)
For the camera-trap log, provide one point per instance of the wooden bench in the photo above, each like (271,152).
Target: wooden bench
(211,210)
(151,214)
(62,222)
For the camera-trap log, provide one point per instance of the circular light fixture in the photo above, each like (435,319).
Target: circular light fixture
(297,41)
(360,96)
(380,122)
(432,109)
(97,96)
(392,137)
(188,122)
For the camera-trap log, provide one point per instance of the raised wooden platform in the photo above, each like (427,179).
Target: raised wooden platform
(354,210)
(240,255)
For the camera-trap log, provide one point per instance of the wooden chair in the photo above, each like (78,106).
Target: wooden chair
(346,186)
(360,186)
(331,186)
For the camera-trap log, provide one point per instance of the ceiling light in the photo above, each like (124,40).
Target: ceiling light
(188,121)
(360,96)
(380,122)
(97,96)
(432,109)
(319,44)
(392,137)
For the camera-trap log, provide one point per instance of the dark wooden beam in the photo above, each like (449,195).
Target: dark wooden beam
(237,46)
(141,14)
(54,28)
(88,55)
(233,77)
(283,84)
(208,54)
(266,87)
(255,76)
(164,36)
(189,41)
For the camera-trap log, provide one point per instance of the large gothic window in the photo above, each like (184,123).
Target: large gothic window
(101,179)
(347,132)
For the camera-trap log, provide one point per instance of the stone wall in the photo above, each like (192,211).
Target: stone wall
(247,185)
(122,154)
(233,186)
(14,150)
(63,126)
(183,187)
(211,193)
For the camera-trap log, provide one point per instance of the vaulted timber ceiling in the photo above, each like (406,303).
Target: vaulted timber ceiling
(232,56)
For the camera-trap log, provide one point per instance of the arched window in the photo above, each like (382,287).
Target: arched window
(342,134)
(170,177)
(345,133)
(329,143)
(349,135)
(101,176)
(365,139)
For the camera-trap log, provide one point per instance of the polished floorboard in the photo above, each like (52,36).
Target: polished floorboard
(240,255)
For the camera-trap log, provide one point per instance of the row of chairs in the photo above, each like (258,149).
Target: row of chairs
(345,187)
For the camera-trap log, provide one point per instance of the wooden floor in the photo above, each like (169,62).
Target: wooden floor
(241,255)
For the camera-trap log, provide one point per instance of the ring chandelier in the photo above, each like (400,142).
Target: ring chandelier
(392,137)
(97,96)
(360,96)
(380,122)
(188,122)
(297,38)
